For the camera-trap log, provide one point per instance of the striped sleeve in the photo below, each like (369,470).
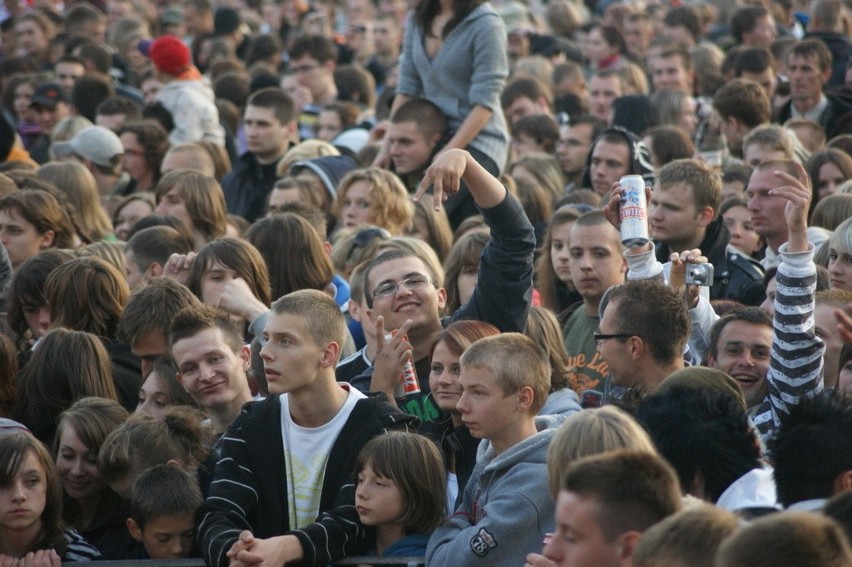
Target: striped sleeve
(796,365)
(231,501)
(78,549)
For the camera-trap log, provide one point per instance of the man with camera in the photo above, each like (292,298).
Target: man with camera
(682,213)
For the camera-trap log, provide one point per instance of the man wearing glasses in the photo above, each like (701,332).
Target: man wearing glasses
(642,333)
(403,294)
(310,72)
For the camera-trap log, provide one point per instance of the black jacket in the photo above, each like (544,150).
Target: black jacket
(837,107)
(736,276)
(247,187)
(249,489)
(456,444)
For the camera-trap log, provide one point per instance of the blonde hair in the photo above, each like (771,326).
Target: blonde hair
(440,233)
(634,79)
(111,252)
(391,209)
(592,432)
(515,362)
(79,186)
(309,149)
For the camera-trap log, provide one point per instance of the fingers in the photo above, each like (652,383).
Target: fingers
(423,188)
(844,323)
(403,329)
(380,333)
(693,256)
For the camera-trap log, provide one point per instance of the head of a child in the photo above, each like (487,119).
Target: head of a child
(144,441)
(505,380)
(401,480)
(170,56)
(163,503)
(26,466)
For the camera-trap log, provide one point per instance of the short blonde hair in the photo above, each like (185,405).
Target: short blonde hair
(309,149)
(592,432)
(515,362)
(392,208)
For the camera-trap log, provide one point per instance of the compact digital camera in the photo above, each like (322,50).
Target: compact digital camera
(699,274)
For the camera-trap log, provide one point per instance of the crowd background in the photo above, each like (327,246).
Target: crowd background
(181,178)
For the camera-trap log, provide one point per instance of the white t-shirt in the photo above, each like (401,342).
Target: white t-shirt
(452,492)
(306,451)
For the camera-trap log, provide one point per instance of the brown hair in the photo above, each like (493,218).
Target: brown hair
(14,450)
(236,254)
(204,199)
(634,489)
(294,253)
(87,294)
(415,465)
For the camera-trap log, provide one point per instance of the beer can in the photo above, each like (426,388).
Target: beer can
(633,212)
(408,383)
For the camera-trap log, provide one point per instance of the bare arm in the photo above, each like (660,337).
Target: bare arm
(470,128)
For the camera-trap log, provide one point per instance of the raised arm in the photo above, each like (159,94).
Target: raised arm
(796,360)
(503,292)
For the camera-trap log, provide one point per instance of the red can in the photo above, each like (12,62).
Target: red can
(408,383)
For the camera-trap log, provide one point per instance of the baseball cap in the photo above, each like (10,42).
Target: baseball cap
(49,95)
(96,144)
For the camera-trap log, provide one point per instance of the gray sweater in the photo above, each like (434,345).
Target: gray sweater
(507,508)
(470,69)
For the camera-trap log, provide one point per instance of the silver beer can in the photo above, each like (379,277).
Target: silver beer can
(633,212)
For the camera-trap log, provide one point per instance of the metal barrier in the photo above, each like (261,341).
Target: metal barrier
(196,562)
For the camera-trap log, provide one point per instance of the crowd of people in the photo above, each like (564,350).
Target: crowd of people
(287,282)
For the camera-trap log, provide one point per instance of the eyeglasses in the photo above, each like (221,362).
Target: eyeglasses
(411,283)
(601,337)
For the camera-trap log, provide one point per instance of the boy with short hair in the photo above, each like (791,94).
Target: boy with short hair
(283,489)
(507,508)
(163,503)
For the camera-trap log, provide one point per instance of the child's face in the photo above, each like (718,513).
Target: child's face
(486,410)
(166,537)
(23,499)
(378,500)
(123,485)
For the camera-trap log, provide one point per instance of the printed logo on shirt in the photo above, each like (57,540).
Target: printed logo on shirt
(482,543)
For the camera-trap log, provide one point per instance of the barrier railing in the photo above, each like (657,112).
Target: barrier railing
(407,561)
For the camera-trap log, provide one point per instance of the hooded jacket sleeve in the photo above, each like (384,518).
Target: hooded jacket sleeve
(511,523)
(503,293)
